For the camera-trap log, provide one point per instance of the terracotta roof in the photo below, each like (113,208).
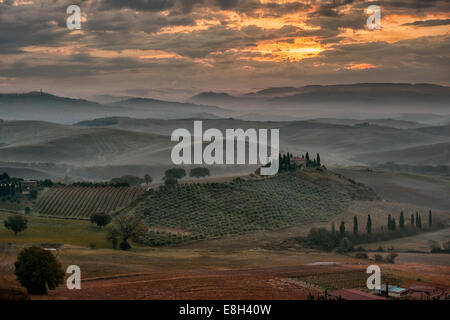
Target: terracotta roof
(355,294)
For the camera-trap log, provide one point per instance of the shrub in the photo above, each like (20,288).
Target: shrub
(391,257)
(378,257)
(92,245)
(101,219)
(361,255)
(38,270)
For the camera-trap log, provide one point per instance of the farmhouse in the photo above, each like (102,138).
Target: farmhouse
(28,185)
(299,161)
(394,291)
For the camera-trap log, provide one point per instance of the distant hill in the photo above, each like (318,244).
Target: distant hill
(380,94)
(31,141)
(393,123)
(433,154)
(437,130)
(47,107)
(214,98)
(159,109)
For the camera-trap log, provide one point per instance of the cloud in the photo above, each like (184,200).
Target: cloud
(428,23)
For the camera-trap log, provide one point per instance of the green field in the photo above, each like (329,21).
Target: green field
(82,202)
(210,210)
(45,230)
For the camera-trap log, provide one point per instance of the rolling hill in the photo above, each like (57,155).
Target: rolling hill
(47,107)
(209,210)
(433,154)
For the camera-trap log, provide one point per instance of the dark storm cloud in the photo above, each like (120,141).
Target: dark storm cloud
(139,5)
(429,23)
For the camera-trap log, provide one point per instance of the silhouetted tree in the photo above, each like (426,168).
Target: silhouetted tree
(148,179)
(355,225)
(16,223)
(318,160)
(38,269)
(401,221)
(430,219)
(199,172)
(101,219)
(333,229)
(342,229)
(389,225)
(412,219)
(177,173)
(369,225)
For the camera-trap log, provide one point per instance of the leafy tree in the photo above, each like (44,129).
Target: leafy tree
(355,225)
(430,219)
(148,179)
(27,210)
(177,173)
(47,183)
(37,269)
(369,225)
(342,229)
(16,223)
(101,219)
(170,181)
(401,221)
(199,172)
(131,180)
(124,227)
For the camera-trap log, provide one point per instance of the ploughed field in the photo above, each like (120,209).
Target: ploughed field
(209,210)
(82,202)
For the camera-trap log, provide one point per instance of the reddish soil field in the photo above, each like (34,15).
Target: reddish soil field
(263,283)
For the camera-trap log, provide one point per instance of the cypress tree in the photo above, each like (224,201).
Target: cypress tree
(389,225)
(394,226)
(417,219)
(412,219)
(369,225)
(333,229)
(342,229)
(401,221)
(420,222)
(318,160)
(430,219)
(355,225)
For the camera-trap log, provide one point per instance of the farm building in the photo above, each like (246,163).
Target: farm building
(299,161)
(354,294)
(394,291)
(28,184)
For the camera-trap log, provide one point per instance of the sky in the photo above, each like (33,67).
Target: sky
(172,49)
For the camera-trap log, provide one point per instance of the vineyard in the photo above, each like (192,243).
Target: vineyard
(209,210)
(82,202)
